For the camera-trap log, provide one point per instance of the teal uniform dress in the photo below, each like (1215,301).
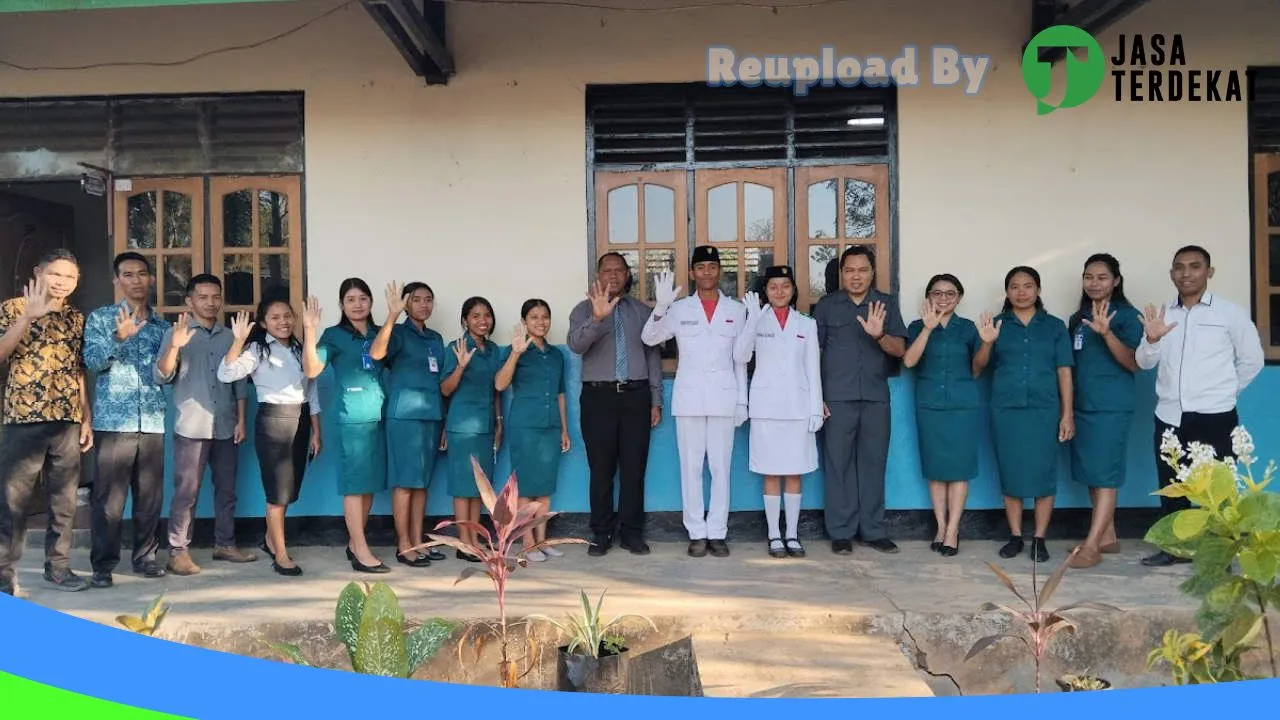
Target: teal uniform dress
(360,400)
(1104,400)
(415,408)
(469,423)
(948,415)
(533,422)
(1025,407)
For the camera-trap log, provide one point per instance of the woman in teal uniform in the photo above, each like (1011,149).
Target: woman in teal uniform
(941,346)
(414,353)
(1029,352)
(1105,332)
(538,432)
(358,386)
(473,423)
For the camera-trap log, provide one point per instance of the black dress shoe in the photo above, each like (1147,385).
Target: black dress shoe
(101,580)
(599,545)
(842,547)
(263,547)
(290,571)
(718,548)
(150,569)
(361,567)
(435,554)
(948,551)
(1039,552)
(795,548)
(458,554)
(1163,559)
(935,546)
(697,548)
(635,546)
(884,545)
(418,560)
(1012,548)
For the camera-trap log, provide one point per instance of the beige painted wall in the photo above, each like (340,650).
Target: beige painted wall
(479,187)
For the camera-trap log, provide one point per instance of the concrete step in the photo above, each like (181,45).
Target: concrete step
(804,664)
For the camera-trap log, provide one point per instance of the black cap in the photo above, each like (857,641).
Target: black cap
(779,271)
(705,253)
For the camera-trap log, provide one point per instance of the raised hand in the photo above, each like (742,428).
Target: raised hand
(395,301)
(128,324)
(601,303)
(462,353)
(873,323)
(1101,322)
(987,331)
(1154,325)
(35,299)
(520,339)
(752,301)
(240,326)
(929,315)
(182,332)
(664,291)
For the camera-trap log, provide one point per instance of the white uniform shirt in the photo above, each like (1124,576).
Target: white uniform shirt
(1205,361)
(709,382)
(787,383)
(279,381)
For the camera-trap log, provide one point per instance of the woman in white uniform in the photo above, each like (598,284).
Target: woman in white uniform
(785,400)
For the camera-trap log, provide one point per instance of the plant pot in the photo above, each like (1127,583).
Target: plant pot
(578,672)
(1070,683)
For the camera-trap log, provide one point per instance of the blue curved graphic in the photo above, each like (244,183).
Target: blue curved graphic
(113,664)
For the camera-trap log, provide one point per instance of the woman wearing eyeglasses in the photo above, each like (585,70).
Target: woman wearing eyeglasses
(941,346)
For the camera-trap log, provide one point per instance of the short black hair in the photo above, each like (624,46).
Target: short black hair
(125,257)
(203,279)
(57,254)
(1195,249)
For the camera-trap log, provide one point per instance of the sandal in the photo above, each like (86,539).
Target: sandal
(776,549)
(794,548)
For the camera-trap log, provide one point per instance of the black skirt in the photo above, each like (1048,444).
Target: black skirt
(282,437)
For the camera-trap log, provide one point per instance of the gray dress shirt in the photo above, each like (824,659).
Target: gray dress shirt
(206,406)
(854,366)
(594,342)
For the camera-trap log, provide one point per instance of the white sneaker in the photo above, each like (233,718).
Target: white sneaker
(552,552)
(536,556)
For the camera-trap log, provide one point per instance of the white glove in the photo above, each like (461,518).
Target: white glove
(740,416)
(664,292)
(754,311)
(815,423)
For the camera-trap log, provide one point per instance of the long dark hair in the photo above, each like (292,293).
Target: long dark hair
(258,332)
(762,287)
(1117,295)
(362,286)
(414,287)
(470,305)
(1008,277)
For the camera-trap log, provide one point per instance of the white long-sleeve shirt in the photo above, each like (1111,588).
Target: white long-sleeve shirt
(279,380)
(1205,361)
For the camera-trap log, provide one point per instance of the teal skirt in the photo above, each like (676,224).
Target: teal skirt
(1099,451)
(1026,446)
(364,458)
(948,443)
(535,459)
(461,448)
(412,448)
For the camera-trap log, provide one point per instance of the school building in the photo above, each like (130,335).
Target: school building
(497,148)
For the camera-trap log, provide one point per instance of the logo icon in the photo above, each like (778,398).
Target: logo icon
(1084,77)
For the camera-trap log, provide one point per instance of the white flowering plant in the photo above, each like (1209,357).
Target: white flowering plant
(1231,533)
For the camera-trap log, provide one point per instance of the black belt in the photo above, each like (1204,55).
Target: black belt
(623,386)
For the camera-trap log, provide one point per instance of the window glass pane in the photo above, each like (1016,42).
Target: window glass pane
(659,214)
(822,210)
(633,262)
(237,219)
(1275,320)
(142,221)
(755,261)
(177,273)
(274,274)
(273,219)
(237,276)
(623,216)
(859,209)
(655,262)
(728,272)
(757,201)
(820,256)
(1273,255)
(1273,199)
(177,220)
(722,213)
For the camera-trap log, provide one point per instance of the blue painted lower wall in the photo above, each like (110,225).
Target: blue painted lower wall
(905,489)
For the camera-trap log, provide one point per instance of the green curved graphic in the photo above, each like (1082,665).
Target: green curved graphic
(29,699)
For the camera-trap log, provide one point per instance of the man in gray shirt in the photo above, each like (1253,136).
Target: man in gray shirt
(861,333)
(621,402)
(210,424)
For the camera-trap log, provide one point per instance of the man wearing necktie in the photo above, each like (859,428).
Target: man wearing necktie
(621,402)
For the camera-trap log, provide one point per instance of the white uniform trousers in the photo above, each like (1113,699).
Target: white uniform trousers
(711,438)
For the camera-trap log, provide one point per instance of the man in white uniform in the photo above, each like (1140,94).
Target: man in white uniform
(709,398)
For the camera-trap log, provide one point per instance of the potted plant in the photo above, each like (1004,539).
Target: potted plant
(1078,683)
(595,658)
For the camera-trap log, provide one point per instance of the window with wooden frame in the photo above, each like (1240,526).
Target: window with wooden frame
(163,220)
(763,175)
(1264,142)
(257,240)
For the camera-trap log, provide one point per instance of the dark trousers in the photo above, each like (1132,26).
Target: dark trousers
(127,462)
(190,458)
(1209,429)
(855,454)
(25,451)
(615,431)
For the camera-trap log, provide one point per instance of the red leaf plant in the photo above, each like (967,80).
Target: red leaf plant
(1041,624)
(498,558)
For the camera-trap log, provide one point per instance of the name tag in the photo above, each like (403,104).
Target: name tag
(355,389)
(765,335)
(688,322)
(433,364)
(1079,341)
